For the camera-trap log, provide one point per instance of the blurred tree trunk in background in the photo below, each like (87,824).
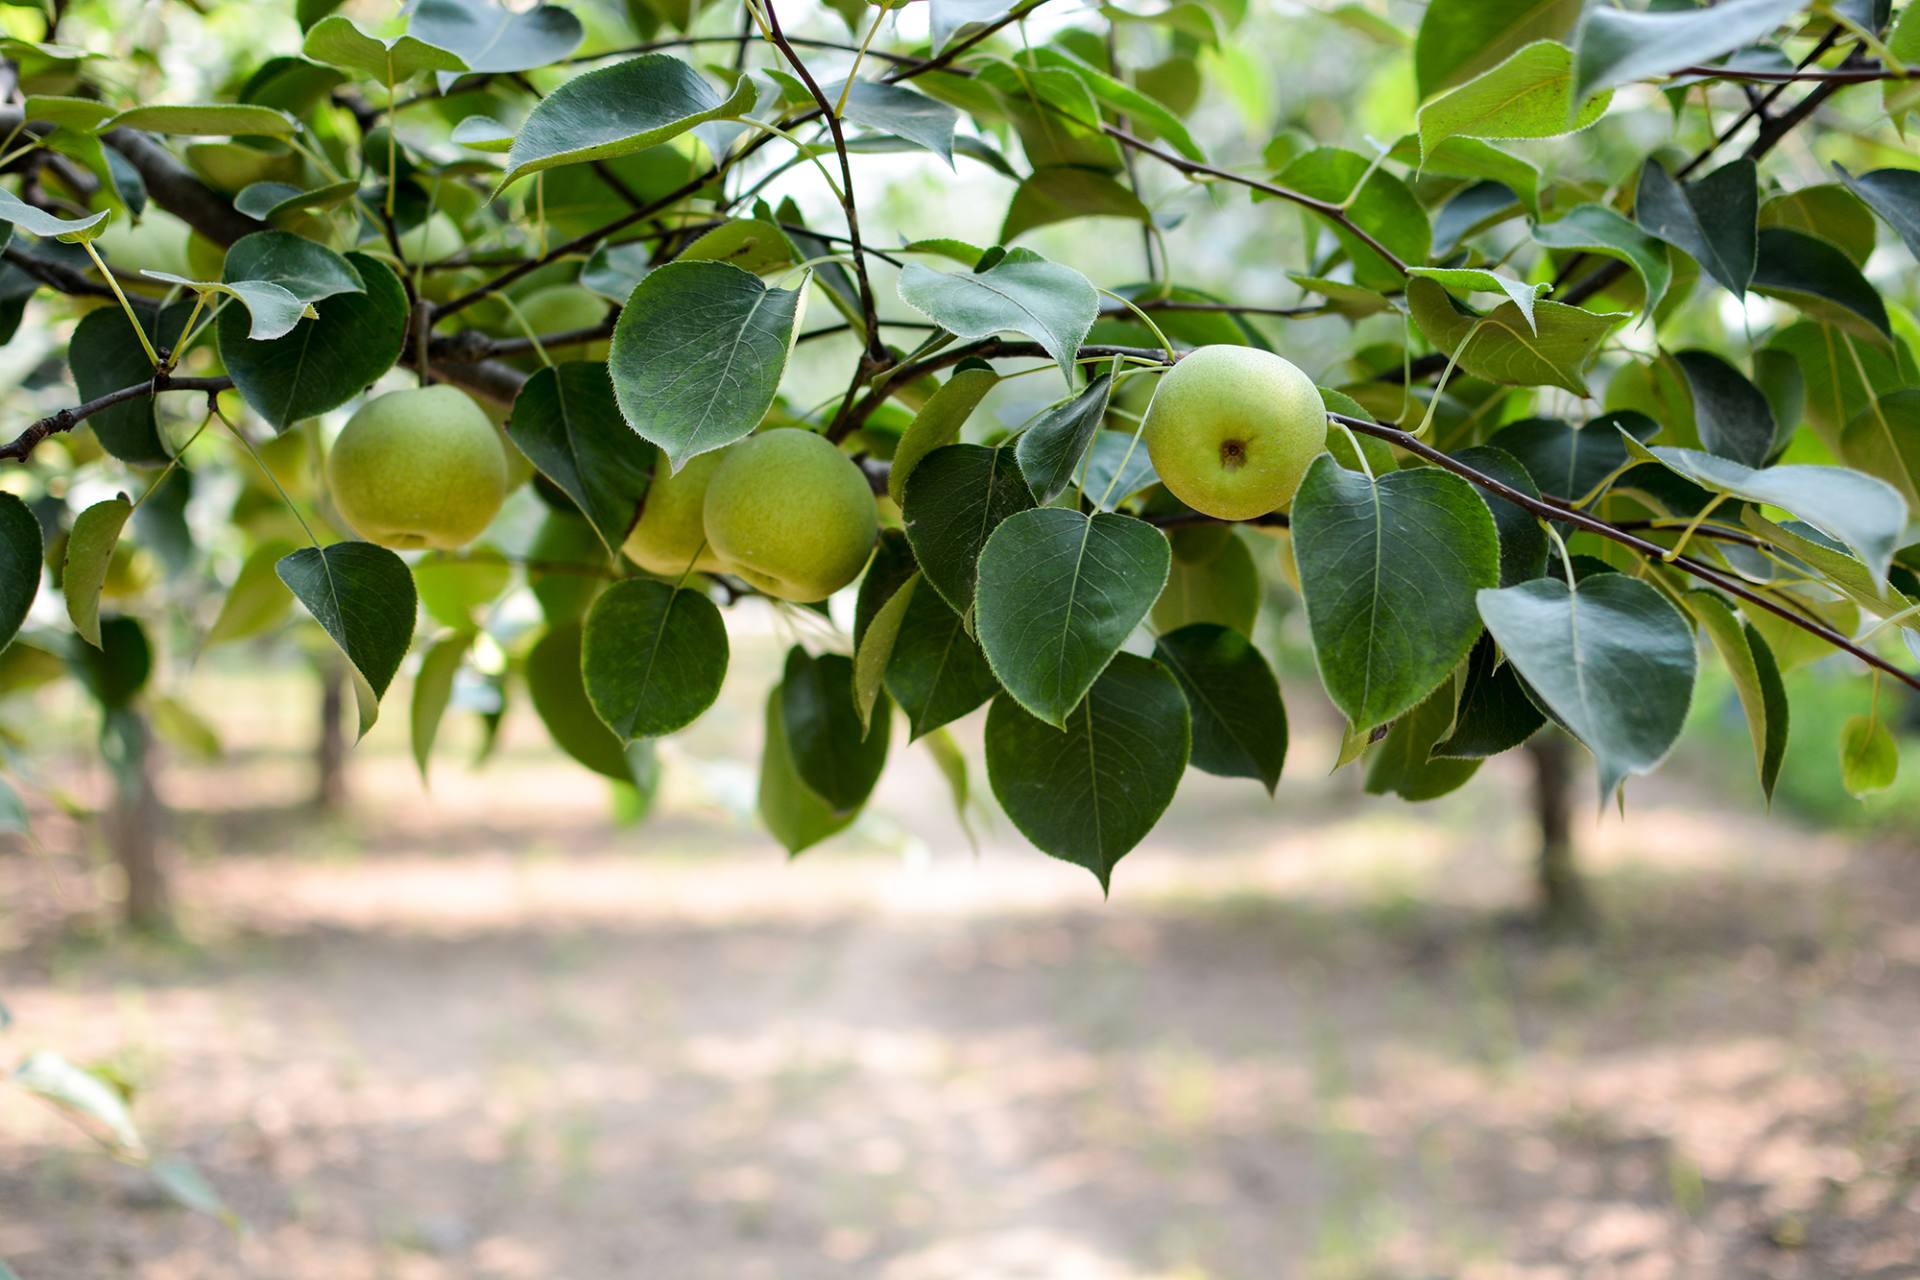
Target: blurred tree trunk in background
(330,753)
(133,821)
(1564,905)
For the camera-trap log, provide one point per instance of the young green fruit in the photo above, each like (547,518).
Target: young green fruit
(418,468)
(1232,429)
(671,534)
(437,237)
(563,308)
(791,514)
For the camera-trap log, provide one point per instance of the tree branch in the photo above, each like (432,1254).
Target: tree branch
(17,449)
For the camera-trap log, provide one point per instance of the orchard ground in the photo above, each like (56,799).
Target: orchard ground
(483,1032)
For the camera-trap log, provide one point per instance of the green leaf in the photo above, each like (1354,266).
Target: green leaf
(1059,593)
(483,133)
(939,421)
(1553,350)
(936,671)
(1598,229)
(1832,366)
(1405,765)
(1568,461)
(836,757)
(20,552)
(1827,211)
(1617,46)
(492,38)
(654,658)
(432,691)
(258,600)
(1714,220)
(324,362)
(1732,415)
(1613,660)
(270,201)
(37,221)
(91,1101)
(1884,440)
(105,355)
(1117,467)
(952,18)
(116,671)
(617,111)
(612,270)
(1144,113)
(1459,39)
(1214,579)
(1023,292)
(1481,280)
(796,815)
(1089,792)
(566,421)
(697,355)
(747,243)
(1049,451)
(1862,511)
(1869,757)
(96,532)
(1063,192)
(1239,722)
(1374,200)
(1388,568)
(208,120)
(873,650)
(272,309)
(1756,678)
(363,597)
(560,698)
(1830,562)
(1821,281)
(956,498)
(1530,95)
(1523,543)
(14,821)
(339,42)
(310,272)
(1494,713)
(901,112)
(1894,194)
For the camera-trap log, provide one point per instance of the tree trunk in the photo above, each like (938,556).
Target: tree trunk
(330,753)
(1563,901)
(133,823)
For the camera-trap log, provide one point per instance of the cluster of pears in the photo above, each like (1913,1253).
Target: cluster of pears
(784,509)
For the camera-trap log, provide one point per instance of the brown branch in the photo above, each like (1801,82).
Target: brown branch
(17,449)
(1590,524)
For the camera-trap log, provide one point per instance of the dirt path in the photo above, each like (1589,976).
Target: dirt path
(486,1035)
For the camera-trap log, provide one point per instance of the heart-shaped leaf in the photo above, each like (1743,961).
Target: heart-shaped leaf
(324,362)
(1820,280)
(363,597)
(1613,660)
(792,811)
(1049,451)
(1089,791)
(1553,347)
(490,37)
(339,42)
(1461,38)
(566,421)
(1387,568)
(310,272)
(617,111)
(560,698)
(1022,292)
(939,421)
(1568,461)
(1731,414)
(936,671)
(1714,220)
(1494,713)
(1617,46)
(105,355)
(1894,194)
(1595,228)
(956,498)
(697,355)
(1239,722)
(20,549)
(654,657)
(90,544)
(1529,95)
(835,756)
(1059,593)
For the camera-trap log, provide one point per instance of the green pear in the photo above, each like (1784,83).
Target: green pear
(671,534)
(230,167)
(418,468)
(1232,429)
(561,308)
(791,514)
(432,239)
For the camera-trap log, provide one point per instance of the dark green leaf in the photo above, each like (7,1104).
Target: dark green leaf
(1617,46)
(1049,451)
(1062,192)
(1523,543)
(939,420)
(308,271)
(1059,592)
(1614,661)
(832,753)
(1494,713)
(1387,569)
(362,596)
(618,111)
(1894,194)
(105,355)
(324,362)
(1214,579)
(1732,416)
(901,112)
(560,698)
(698,353)
(1568,461)
(1405,764)
(20,552)
(795,815)
(1090,792)
(937,672)
(566,421)
(490,37)
(1374,200)
(1023,292)
(1714,220)
(116,670)
(955,499)
(1239,722)
(654,657)
(1821,281)
(1117,467)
